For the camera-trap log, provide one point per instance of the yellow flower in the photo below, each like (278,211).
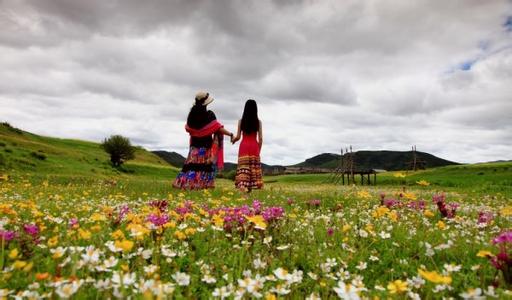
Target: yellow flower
(409,196)
(397,287)
(393,216)
(4,177)
(380,211)
(13,254)
(180,235)
(126,245)
(96,228)
(53,241)
(441,225)
(19,264)
(346,227)
(435,277)
(98,217)
(506,211)
(190,231)
(423,183)
(484,253)
(28,267)
(218,221)
(428,213)
(364,195)
(270,296)
(399,175)
(84,234)
(125,267)
(258,221)
(118,235)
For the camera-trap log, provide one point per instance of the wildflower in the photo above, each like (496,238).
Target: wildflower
(42,276)
(506,211)
(67,290)
(330,231)
(475,294)
(347,291)
(428,213)
(484,253)
(435,277)
(423,183)
(397,287)
(505,237)
(125,245)
(222,292)
(31,229)
(181,279)
(441,225)
(258,221)
(58,252)
(53,241)
(124,279)
(19,264)
(179,235)
(13,254)
(283,247)
(84,234)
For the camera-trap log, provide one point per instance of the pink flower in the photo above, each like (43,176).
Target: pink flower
(330,231)
(158,220)
(31,229)
(7,235)
(505,237)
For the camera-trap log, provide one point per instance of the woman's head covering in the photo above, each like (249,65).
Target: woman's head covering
(203,98)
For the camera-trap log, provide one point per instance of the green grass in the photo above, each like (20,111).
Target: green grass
(22,152)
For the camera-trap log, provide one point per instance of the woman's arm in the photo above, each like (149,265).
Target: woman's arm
(260,136)
(225,132)
(238,134)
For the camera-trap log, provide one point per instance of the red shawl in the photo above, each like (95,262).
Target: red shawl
(209,129)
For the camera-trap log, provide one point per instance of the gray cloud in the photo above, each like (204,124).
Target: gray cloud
(326,74)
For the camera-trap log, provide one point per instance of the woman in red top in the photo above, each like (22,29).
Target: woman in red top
(248,172)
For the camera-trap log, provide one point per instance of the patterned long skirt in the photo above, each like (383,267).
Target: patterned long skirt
(248,173)
(199,170)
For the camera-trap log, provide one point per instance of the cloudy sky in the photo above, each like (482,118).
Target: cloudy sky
(326,74)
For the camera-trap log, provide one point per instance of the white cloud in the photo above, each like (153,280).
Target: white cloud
(326,74)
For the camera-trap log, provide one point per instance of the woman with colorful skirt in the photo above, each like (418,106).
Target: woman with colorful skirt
(205,155)
(248,172)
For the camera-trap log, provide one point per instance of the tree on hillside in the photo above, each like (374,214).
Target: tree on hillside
(119,148)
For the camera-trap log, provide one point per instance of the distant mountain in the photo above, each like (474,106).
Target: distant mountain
(387,160)
(178,160)
(172,158)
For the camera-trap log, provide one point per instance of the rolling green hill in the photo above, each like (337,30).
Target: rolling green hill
(386,160)
(24,152)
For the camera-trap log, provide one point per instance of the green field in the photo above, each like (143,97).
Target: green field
(73,226)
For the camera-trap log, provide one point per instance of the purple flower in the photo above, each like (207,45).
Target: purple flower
(330,231)
(73,222)
(390,203)
(31,229)
(505,237)
(314,202)
(158,220)
(485,217)
(7,235)
(161,205)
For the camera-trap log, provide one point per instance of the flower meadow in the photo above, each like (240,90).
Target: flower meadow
(108,239)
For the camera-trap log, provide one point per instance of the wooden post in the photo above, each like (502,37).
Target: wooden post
(375,178)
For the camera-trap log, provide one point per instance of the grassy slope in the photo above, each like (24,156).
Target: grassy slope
(67,157)
(488,177)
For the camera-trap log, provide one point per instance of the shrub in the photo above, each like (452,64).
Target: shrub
(38,155)
(119,148)
(2,144)
(11,128)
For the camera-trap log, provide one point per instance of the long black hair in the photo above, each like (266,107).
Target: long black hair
(250,122)
(199,116)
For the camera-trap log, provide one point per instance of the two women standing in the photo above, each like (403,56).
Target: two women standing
(205,155)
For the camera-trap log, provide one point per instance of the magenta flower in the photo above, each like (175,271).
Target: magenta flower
(7,235)
(158,220)
(314,202)
(161,205)
(505,237)
(73,222)
(485,217)
(330,231)
(31,229)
